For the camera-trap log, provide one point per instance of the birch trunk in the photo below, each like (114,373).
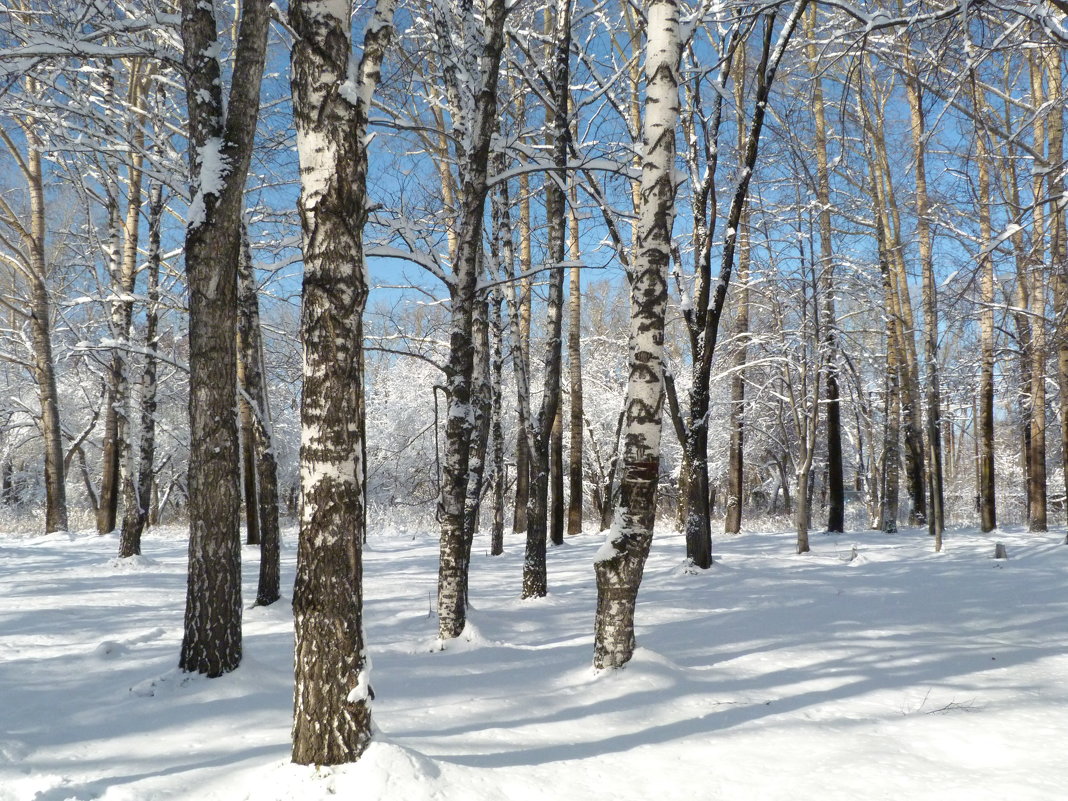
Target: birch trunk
(41,337)
(126,285)
(220,149)
(515,299)
(135,513)
(621,561)
(331,101)
(708,302)
(496,424)
(452,612)
(574,367)
(482,410)
(545,468)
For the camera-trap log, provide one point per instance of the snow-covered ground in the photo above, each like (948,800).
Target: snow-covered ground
(899,675)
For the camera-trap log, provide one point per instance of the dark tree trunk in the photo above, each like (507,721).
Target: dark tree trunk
(452,575)
(704,320)
(219,134)
(482,408)
(262,495)
(108,501)
(496,424)
(889,479)
(987,507)
(556,479)
(545,469)
(248,459)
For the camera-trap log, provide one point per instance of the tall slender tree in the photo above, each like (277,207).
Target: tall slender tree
(574,368)
(621,561)
(833,410)
(30,262)
(331,103)
(476,118)
(220,149)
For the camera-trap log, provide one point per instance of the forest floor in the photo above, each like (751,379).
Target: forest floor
(900,674)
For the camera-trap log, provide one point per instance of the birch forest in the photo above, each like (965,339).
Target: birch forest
(519,271)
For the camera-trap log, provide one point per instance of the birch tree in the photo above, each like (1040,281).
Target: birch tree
(535,581)
(474,122)
(703,309)
(331,102)
(621,560)
(28,260)
(220,149)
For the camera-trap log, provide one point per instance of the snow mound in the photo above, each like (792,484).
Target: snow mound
(470,639)
(385,772)
(165,684)
(132,564)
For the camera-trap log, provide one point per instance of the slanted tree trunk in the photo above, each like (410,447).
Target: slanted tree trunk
(31,263)
(452,575)
(332,695)
(732,523)
(621,561)
(33,238)
(535,578)
(220,148)
(703,320)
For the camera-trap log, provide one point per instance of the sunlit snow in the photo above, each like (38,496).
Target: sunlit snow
(901,675)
